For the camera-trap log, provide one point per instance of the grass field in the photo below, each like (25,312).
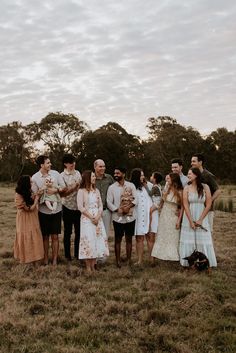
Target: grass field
(130,310)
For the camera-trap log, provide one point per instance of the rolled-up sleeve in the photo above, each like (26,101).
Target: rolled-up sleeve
(134,192)
(110,200)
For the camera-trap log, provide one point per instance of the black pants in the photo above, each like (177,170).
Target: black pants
(71,218)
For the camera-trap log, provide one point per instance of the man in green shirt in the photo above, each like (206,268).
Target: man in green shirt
(103,181)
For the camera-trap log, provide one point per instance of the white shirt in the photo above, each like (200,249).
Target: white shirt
(38,180)
(114,194)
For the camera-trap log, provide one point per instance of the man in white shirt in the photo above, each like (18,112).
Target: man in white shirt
(122,225)
(70,213)
(50,220)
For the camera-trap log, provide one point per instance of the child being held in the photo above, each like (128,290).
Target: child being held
(50,200)
(126,201)
(156,195)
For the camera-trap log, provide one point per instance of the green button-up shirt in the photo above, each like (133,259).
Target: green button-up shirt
(103,185)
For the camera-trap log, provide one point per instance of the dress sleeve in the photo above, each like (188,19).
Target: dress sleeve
(19,201)
(80,200)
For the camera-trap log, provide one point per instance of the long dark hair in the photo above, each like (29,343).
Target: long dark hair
(197,172)
(135,178)
(23,188)
(158,177)
(86,180)
(176,185)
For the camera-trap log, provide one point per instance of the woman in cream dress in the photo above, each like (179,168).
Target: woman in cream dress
(166,245)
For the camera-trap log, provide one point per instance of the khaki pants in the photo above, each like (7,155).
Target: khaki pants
(106,217)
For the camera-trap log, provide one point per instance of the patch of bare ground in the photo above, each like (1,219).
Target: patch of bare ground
(142,310)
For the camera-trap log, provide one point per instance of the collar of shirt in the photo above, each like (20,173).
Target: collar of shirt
(72,172)
(45,175)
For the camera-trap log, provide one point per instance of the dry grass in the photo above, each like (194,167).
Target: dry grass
(227,200)
(148,310)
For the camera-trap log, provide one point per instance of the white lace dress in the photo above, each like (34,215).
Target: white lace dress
(166,245)
(93,239)
(198,239)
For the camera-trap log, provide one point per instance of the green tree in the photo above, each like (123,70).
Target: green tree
(168,139)
(224,163)
(57,131)
(14,152)
(112,143)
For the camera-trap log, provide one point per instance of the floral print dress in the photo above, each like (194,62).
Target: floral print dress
(93,238)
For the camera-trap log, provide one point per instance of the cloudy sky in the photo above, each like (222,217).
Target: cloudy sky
(123,61)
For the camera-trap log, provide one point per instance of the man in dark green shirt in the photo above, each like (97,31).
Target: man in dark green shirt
(208,178)
(103,181)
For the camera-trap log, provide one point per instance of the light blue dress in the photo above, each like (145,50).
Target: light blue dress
(198,239)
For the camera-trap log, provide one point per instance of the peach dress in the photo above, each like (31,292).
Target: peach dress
(28,245)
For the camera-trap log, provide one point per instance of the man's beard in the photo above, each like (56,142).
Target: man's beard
(118,178)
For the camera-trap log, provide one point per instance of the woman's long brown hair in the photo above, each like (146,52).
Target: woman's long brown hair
(176,186)
(86,180)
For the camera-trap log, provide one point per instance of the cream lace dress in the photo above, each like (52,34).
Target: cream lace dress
(166,245)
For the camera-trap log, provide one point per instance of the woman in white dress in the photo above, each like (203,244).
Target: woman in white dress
(166,245)
(93,238)
(143,206)
(196,231)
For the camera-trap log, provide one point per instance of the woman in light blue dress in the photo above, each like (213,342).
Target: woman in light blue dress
(195,230)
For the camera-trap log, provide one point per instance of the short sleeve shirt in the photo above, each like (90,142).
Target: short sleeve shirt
(38,180)
(70,201)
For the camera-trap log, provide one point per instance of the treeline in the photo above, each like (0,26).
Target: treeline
(60,133)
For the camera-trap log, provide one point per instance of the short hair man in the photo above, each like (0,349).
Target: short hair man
(197,161)
(122,225)
(70,213)
(176,167)
(50,221)
(103,181)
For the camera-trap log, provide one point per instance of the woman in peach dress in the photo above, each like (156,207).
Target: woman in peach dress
(28,245)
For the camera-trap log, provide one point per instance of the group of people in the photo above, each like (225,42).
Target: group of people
(174,219)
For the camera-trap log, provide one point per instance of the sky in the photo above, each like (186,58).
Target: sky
(122,61)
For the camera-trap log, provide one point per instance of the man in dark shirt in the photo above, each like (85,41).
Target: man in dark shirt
(208,178)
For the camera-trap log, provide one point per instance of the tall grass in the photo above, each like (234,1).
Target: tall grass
(130,310)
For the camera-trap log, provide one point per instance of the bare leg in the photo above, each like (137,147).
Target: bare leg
(117,250)
(128,243)
(55,248)
(93,263)
(46,247)
(88,265)
(54,206)
(150,242)
(139,248)
(49,205)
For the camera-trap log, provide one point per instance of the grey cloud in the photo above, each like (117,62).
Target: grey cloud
(122,61)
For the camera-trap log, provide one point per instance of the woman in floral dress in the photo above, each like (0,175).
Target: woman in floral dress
(93,238)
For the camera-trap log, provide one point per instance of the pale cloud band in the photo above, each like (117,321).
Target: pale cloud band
(119,61)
